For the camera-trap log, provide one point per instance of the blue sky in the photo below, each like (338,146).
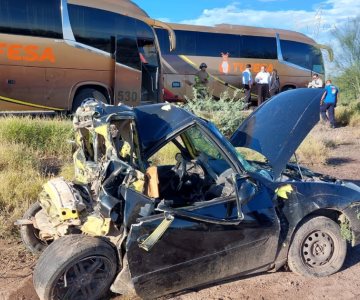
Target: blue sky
(316,18)
(177,11)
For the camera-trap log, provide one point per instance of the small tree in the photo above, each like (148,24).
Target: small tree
(348,60)
(227,113)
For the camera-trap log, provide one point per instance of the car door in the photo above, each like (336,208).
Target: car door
(200,247)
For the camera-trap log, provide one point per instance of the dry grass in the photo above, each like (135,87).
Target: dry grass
(316,148)
(31,152)
(165,156)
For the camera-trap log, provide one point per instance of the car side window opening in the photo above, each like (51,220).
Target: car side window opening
(190,168)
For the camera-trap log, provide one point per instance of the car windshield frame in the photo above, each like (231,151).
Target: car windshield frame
(244,164)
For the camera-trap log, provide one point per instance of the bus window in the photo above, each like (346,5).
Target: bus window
(258,47)
(39,18)
(163,38)
(213,44)
(92,27)
(303,55)
(186,42)
(127,52)
(146,43)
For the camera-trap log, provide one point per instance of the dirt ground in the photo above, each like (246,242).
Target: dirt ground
(17,264)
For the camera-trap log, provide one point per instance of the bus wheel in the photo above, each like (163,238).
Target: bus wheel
(85,94)
(288,88)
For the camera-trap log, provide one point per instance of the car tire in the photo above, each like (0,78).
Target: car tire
(29,234)
(317,249)
(75,267)
(85,94)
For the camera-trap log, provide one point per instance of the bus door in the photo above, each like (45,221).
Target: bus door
(150,70)
(128,77)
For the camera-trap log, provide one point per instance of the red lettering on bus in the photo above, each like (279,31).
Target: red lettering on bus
(31,54)
(14,52)
(2,45)
(48,54)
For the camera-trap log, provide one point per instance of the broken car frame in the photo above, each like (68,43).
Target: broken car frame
(140,227)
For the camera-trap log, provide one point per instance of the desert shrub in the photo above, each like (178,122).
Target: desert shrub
(348,115)
(227,113)
(312,151)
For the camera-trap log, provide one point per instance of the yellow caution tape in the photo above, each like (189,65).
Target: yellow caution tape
(29,104)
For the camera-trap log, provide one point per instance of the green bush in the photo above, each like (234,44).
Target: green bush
(227,113)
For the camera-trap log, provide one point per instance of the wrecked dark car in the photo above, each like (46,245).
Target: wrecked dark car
(163,202)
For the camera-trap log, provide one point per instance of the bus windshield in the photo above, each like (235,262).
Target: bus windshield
(303,55)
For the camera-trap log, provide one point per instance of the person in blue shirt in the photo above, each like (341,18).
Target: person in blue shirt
(247,82)
(328,103)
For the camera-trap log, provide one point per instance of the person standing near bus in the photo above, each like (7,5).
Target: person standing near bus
(274,86)
(328,103)
(262,79)
(201,81)
(247,82)
(316,83)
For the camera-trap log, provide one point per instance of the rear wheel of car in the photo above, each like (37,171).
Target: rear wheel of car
(87,93)
(75,267)
(317,249)
(29,234)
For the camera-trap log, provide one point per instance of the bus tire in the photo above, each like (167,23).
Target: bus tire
(288,88)
(85,94)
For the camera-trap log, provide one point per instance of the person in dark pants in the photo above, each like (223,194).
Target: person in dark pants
(262,79)
(247,83)
(328,103)
(274,86)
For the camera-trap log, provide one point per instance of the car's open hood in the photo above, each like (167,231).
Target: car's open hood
(277,128)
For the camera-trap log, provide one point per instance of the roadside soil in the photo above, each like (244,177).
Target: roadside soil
(344,162)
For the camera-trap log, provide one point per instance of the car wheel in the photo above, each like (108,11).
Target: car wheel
(29,234)
(86,94)
(75,267)
(317,249)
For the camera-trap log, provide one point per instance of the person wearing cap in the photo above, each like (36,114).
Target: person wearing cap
(316,83)
(201,81)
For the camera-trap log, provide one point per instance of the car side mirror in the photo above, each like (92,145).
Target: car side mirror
(247,191)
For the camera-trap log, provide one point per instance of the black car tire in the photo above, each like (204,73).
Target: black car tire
(317,249)
(85,94)
(89,263)
(29,234)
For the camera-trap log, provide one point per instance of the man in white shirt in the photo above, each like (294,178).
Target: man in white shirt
(247,82)
(316,83)
(262,79)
